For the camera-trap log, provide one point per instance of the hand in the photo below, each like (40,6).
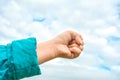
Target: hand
(68,44)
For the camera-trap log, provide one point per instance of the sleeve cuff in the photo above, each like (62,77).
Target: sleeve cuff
(23,60)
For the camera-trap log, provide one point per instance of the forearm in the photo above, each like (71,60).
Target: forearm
(45,51)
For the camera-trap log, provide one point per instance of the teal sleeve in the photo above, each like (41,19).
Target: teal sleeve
(19,60)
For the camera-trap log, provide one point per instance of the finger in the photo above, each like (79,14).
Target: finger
(76,45)
(73,45)
(81,37)
(79,40)
(81,47)
(72,42)
(75,52)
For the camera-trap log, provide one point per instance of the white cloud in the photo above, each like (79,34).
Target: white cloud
(108,31)
(95,20)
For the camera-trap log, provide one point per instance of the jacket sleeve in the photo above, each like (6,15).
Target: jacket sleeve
(19,60)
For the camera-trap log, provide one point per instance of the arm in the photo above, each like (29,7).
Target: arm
(68,44)
(18,60)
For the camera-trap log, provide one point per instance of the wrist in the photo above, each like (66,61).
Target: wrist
(53,48)
(46,51)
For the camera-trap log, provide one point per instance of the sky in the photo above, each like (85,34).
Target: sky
(98,21)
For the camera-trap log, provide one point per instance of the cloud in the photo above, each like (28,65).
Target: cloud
(108,31)
(97,21)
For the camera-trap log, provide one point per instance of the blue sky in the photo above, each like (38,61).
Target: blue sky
(97,20)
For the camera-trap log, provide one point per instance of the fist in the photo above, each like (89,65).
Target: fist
(69,44)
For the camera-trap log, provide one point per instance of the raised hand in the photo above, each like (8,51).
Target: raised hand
(68,44)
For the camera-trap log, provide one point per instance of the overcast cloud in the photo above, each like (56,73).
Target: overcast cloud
(97,20)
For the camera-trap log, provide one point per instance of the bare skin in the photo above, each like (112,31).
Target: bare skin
(68,44)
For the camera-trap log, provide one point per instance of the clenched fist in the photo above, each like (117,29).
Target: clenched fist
(68,44)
